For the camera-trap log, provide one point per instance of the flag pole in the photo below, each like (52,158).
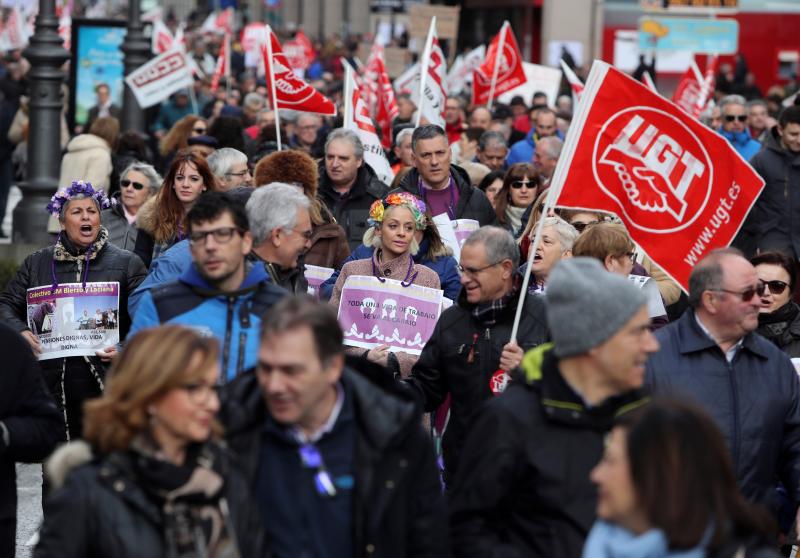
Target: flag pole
(497,58)
(270,63)
(348,94)
(426,61)
(227,63)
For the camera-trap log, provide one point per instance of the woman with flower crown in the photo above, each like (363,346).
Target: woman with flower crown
(393,222)
(81,254)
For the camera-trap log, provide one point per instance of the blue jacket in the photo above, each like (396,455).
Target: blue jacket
(233,318)
(523,150)
(164,269)
(446,267)
(754,400)
(745,145)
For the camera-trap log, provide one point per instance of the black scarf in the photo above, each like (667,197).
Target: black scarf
(190,495)
(489,313)
(774,324)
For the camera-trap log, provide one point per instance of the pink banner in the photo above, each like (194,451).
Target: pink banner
(374,313)
(316,276)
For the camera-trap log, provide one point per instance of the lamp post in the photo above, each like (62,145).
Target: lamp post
(47,55)
(137,51)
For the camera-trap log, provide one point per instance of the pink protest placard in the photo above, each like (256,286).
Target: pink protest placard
(316,276)
(463,228)
(374,313)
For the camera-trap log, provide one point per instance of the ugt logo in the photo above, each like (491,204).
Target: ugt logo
(654,167)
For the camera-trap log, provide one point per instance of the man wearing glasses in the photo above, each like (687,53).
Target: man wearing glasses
(336,456)
(221,293)
(713,357)
(230,167)
(469,356)
(734,126)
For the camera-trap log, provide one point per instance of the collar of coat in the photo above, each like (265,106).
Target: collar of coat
(692,339)
(559,401)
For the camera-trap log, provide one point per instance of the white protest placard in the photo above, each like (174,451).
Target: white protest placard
(375,312)
(538,78)
(72,321)
(161,77)
(316,276)
(448,233)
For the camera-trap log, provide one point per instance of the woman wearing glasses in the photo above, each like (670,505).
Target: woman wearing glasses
(178,137)
(519,191)
(161,219)
(139,183)
(779,318)
(150,479)
(393,221)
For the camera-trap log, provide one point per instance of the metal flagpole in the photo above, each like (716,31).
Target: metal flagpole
(271,63)
(426,61)
(348,94)
(497,58)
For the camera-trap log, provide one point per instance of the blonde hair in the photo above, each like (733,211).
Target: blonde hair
(154,362)
(371,237)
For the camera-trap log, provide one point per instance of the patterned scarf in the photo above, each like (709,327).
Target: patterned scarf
(489,313)
(63,252)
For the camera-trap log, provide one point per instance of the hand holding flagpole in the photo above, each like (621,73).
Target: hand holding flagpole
(424,65)
(498,57)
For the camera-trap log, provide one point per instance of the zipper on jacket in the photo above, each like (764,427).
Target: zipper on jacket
(244,326)
(226,348)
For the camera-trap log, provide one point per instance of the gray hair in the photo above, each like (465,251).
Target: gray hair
(708,274)
(731,100)
(222,160)
(348,136)
(403,134)
(756,103)
(274,206)
(567,234)
(254,101)
(426,132)
(307,116)
(63,210)
(149,172)
(496,241)
(551,145)
(491,137)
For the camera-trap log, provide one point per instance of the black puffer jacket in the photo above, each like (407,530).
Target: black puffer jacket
(444,366)
(103,510)
(110,264)
(399,508)
(522,488)
(352,211)
(472,203)
(782,327)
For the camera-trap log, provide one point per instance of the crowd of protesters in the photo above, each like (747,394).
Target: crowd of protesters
(626,418)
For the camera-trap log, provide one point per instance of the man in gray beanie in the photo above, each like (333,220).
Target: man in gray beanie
(522,487)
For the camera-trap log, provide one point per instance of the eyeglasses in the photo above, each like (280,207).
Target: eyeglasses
(240,173)
(199,393)
(580,226)
(776,287)
(631,255)
(474,271)
(305,234)
(136,185)
(732,117)
(517,184)
(199,131)
(747,294)
(222,235)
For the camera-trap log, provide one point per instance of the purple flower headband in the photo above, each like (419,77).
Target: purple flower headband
(77,188)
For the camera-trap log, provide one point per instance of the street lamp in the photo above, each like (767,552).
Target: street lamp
(47,55)
(137,51)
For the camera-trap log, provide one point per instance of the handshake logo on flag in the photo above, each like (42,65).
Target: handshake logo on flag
(654,165)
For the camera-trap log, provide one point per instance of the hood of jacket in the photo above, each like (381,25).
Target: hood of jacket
(255,275)
(66,459)
(86,142)
(147,215)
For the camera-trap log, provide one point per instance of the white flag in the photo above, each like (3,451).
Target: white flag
(431,94)
(356,118)
(461,72)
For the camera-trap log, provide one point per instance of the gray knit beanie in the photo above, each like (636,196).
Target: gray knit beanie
(586,305)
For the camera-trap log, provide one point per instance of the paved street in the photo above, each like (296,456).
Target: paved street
(29,507)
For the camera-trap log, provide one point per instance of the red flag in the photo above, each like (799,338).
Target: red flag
(510,73)
(680,188)
(387,106)
(299,51)
(290,91)
(707,88)
(223,67)
(688,91)
(308,46)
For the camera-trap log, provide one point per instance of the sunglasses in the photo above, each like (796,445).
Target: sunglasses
(747,294)
(776,287)
(731,118)
(580,226)
(136,185)
(517,184)
(200,131)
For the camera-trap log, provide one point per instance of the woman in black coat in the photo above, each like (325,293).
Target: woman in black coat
(150,479)
(779,318)
(83,255)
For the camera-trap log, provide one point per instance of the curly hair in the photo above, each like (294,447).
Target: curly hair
(179,134)
(153,362)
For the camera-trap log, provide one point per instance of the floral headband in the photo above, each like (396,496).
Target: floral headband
(77,188)
(410,202)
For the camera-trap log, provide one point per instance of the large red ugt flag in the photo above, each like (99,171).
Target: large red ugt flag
(679,187)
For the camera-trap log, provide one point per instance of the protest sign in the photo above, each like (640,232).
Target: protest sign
(463,228)
(448,233)
(447,20)
(156,80)
(679,187)
(72,321)
(316,276)
(537,78)
(375,312)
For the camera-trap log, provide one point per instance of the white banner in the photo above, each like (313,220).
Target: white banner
(165,74)
(460,73)
(539,78)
